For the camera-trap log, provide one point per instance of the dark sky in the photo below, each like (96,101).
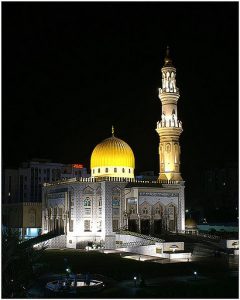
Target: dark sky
(71,70)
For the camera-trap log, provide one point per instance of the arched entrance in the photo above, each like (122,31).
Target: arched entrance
(145,226)
(132,225)
(157,226)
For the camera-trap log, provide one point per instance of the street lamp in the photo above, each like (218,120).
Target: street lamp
(135,280)
(195,274)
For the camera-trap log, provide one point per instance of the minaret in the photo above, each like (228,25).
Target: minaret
(169,128)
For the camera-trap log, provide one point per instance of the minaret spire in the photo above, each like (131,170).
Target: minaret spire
(169,128)
(112,130)
(167,59)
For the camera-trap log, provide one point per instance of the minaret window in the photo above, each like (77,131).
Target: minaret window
(106,170)
(99,170)
(115,170)
(123,170)
(129,171)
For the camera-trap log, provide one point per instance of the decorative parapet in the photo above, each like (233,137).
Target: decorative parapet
(113,179)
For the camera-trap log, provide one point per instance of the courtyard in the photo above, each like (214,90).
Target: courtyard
(217,277)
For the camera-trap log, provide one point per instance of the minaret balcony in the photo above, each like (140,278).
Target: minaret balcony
(169,90)
(169,123)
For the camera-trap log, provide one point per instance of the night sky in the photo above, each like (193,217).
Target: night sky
(72,70)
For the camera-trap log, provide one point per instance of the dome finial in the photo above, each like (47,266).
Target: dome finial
(167,59)
(112,130)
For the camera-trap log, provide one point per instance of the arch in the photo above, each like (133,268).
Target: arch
(88,190)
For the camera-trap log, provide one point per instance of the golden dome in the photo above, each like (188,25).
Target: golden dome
(112,152)
(190,223)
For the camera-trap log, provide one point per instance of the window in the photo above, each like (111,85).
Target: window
(87,211)
(116,211)
(145,211)
(87,201)
(87,225)
(98,170)
(115,170)
(99,226)
(71,225)
(132,210)
(129,171)
(100,201)
(115,225)
(123,170)
(93,171)
(106,170)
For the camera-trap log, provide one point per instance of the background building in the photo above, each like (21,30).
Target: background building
(22,192)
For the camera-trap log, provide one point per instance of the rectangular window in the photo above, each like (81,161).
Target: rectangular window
(71,225)
(115,225)
(99,170)
(87,211)
(87,225)
(106,170)
(99,226)
(115,170)
(116,211)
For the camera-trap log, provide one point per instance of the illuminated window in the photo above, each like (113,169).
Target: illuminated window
(99,170)
(106,170)
(123,170)
(115,170)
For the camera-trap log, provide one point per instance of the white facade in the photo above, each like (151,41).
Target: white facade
(93,210)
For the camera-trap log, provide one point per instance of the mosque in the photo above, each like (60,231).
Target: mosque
(96,208)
